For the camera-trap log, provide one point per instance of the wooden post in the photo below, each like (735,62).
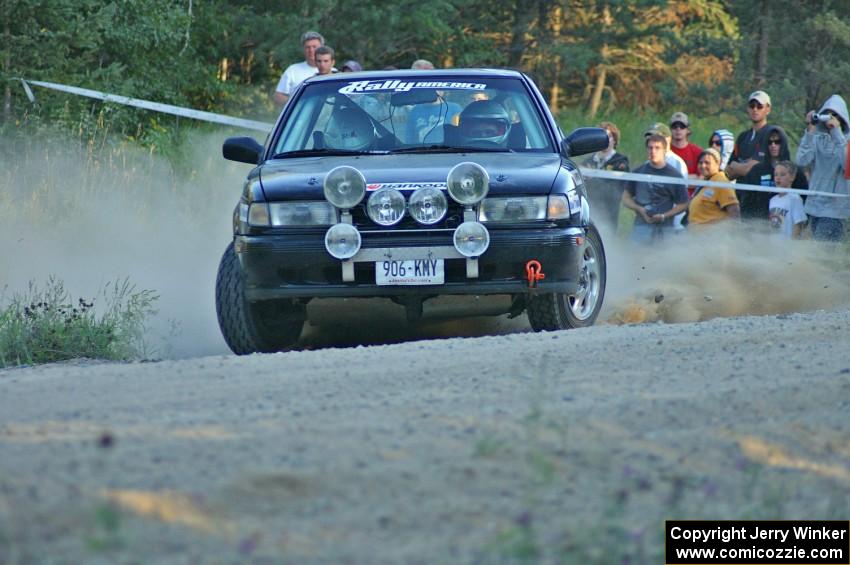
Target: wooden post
(7,65)
(763,43)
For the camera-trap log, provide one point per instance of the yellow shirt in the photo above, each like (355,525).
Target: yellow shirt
(709,204)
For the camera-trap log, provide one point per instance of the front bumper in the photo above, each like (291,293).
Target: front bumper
(297,265)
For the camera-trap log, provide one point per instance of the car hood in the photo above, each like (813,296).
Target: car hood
(302,178)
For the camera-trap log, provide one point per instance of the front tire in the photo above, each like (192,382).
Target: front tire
(550,312)
(263,327)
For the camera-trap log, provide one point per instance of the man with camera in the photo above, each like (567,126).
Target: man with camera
(823,148)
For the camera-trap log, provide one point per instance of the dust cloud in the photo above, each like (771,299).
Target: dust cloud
(729,271)
(91,215)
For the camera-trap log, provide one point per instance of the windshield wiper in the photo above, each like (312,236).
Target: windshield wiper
(323,153)
(451,148)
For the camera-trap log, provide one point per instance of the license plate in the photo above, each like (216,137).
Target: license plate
(411,272)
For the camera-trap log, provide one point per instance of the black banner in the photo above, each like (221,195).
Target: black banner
(753,542)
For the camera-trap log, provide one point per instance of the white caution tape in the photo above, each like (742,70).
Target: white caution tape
(148,105)
(264,126)
(641,177)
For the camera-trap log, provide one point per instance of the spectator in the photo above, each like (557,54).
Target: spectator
(755,205)
(724,142)
(751,145)
(824,148)
(711,204)
(422,65)
(673,160)
(325,59)
(785,210)
(605,195)
(681,145)
(654,202)
(297,73)
(351,66)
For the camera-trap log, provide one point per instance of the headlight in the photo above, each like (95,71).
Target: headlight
(517,209)
(428,205)
(558,208)
(342,241)
(258,214)
(302,214)
(468,183)
(345,187)
(471,239)
(386,206)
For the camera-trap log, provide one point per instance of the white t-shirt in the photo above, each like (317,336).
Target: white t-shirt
(294,75)
(679,164)
(785,211)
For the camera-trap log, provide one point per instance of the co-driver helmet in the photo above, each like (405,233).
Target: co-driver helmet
(349,129)
(485,120)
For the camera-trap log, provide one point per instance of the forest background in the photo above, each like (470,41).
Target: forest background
(630,62)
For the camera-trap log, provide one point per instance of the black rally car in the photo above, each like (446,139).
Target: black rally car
(411,185)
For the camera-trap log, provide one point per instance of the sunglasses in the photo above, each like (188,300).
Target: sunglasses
(774,142)
(755,104)
(716,142)
(678,125)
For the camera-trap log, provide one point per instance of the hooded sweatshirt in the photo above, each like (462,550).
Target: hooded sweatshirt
(826,152)
(727,139)
(757,204)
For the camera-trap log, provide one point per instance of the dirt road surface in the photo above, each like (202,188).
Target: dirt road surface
(570,446)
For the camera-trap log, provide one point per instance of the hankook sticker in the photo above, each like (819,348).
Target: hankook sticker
(406,185)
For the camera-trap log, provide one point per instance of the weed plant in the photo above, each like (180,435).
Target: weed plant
(46,325)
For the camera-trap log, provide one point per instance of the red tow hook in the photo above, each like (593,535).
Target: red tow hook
(534,273)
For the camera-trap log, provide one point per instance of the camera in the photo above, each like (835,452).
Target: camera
(818,118)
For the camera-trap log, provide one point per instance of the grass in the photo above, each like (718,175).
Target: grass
(44,325)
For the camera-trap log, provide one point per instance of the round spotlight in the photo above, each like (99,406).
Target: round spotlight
(342,241)
(428,205)
(468,183)
(386,206)
(345,187)
(471,239)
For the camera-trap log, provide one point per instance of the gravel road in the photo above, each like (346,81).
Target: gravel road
(538,447)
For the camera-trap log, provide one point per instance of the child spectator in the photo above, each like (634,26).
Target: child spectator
(711,204)
(786,209)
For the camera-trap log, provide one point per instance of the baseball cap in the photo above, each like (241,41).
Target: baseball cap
(680,117)
(761,97)
(352,65)
(658,128)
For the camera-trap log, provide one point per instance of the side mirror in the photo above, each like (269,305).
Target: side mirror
(242,149)
(585,140)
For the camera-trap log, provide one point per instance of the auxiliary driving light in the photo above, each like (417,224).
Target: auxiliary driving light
(428,205)
(345,187)
(342,241)
(468,183)
(386,206)
(471,239)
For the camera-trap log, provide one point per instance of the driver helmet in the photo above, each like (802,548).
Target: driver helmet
(485,120)
(350,130)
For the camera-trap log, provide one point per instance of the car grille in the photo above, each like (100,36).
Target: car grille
(453,218)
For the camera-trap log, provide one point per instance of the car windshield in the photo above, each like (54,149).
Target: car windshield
(405,115)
